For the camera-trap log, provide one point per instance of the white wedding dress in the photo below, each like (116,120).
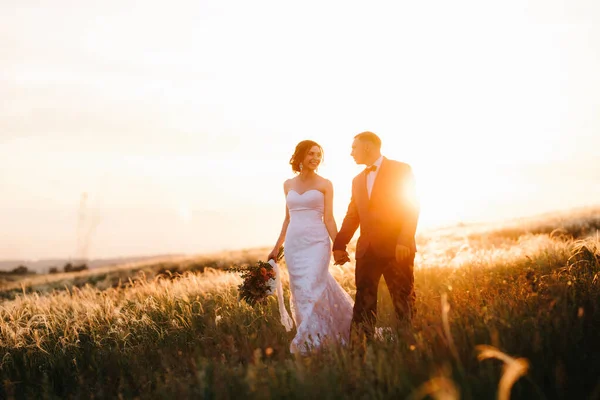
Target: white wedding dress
(321,309)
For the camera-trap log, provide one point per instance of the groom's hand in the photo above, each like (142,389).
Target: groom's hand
(402,253)
(341,257)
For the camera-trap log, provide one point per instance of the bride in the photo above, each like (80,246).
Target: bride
(321,309)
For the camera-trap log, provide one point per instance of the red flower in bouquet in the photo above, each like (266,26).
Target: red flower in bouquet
(258,281)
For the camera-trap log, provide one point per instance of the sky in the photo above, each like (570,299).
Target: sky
(140,127)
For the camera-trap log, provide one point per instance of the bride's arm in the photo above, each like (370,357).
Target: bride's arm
(273,254)
(328,214)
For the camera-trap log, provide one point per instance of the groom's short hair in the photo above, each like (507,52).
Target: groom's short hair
(369,137)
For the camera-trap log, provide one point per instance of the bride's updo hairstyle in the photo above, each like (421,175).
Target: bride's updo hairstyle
(301,151)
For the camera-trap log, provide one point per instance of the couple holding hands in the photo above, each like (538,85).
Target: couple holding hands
(384,205)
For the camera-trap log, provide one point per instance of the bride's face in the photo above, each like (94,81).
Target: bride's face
(313,158)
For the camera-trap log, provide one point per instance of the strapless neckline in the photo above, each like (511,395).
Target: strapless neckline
(303,193)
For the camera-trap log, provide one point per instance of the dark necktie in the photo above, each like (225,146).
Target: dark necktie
(371,168)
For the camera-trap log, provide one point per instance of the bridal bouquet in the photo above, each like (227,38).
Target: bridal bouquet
(259,280)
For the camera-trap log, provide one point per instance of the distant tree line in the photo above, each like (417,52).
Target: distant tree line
(74,268)
(20,270)
(23,270)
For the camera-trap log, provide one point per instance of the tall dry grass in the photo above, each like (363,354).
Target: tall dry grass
(531,300)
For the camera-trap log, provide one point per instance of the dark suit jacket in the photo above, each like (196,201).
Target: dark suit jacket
(388,218)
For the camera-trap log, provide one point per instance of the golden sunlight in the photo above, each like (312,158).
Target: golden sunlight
(495,124)
(144,147)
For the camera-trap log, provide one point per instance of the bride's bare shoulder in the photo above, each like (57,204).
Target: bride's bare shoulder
(288,184)
(325,184)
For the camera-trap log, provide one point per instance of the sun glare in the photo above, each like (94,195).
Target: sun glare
(184,213)
(150,120)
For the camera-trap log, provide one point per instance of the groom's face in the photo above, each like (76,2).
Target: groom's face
(360,151)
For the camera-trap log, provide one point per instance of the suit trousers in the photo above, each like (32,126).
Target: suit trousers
(399,278)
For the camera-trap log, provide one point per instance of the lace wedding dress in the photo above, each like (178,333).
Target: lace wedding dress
(321,309)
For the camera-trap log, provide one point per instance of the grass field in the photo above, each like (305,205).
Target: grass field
(505,309)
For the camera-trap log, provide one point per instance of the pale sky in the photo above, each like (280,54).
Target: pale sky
(178,119)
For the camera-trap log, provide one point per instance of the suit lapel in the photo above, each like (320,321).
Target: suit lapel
(379,179)
(362,196)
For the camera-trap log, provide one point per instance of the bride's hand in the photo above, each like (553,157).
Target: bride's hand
(272,255)
(340,257)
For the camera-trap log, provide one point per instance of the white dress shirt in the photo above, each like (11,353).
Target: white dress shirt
(371,175)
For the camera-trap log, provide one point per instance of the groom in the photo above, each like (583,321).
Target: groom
(384,204)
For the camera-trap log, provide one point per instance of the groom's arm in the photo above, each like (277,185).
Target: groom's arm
(349,226)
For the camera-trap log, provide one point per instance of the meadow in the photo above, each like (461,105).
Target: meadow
(503,310)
